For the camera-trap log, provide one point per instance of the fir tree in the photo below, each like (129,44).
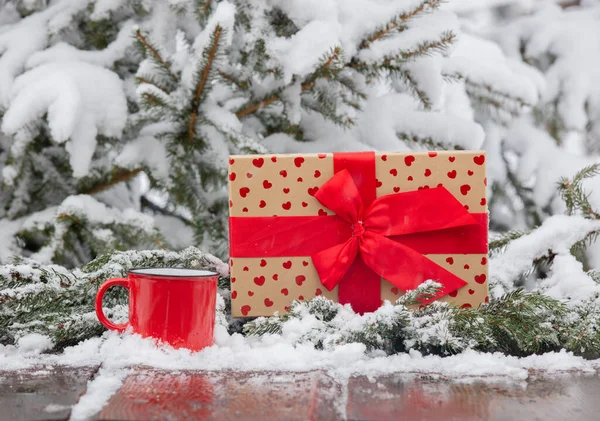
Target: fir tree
(117,118)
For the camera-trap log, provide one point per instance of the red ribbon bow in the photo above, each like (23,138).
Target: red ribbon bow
(368,238)
(394,214)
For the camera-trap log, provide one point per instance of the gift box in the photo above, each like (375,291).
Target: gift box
(357,228)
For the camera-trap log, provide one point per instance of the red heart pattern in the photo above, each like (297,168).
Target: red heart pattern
(296,281)
(249,197)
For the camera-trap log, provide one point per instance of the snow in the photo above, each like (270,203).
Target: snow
(355,18)
(34,342)
(149,150)
(558,233)
(543,160)
(81,100)
(572,38)
(98,391)
(482,62)
(118,352)
(386,116)
(567,280)
(102,8)
(105,58)
(424,30)
(300,54)
(25,38)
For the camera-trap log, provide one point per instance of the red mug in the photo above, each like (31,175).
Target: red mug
(172,305)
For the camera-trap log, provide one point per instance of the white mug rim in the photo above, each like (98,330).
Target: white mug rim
(193,273)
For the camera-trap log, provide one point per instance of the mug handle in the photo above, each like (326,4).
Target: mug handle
(123,282)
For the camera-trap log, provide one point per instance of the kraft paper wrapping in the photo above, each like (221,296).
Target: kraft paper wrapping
(281,185)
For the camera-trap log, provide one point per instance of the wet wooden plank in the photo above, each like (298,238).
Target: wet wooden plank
(44,393)
(223,396)
(572,398)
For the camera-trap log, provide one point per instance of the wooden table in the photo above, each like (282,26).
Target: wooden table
(150,394)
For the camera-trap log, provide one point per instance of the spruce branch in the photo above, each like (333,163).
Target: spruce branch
(323,70)
(398,22)
(139,80)
(427,142)
(518,323)
(485,90)
(498,245)
(390,63)
(147,47)
(413,87)
(573,194)
(118,175)
(207,65)
(203,9)
(242,85)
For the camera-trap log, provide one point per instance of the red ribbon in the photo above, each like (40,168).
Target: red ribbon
(368,238)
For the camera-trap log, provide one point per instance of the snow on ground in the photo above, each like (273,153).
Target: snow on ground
(98,392)
(117,352)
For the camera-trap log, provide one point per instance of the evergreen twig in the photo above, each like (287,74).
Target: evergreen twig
(573,194)
(207,65)
(147,46)
(398,21)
